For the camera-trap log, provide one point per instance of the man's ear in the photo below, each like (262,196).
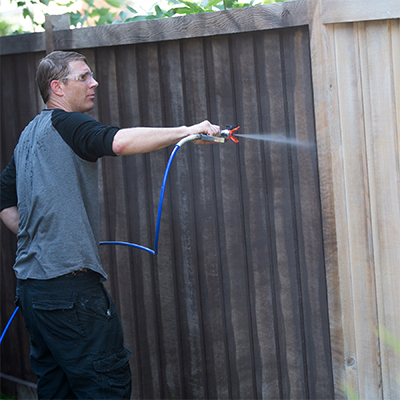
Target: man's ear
(56,87)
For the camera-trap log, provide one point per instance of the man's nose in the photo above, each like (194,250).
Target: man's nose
(93,83)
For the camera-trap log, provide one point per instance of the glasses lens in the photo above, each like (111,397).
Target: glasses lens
(85,77)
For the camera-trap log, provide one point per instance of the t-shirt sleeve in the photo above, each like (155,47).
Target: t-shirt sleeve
(88,138)
(8,186)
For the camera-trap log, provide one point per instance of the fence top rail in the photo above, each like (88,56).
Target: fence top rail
(337,11)
(263,17)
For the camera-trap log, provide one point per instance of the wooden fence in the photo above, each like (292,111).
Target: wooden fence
(278,264)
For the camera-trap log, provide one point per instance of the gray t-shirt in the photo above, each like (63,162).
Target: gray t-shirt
(57,193)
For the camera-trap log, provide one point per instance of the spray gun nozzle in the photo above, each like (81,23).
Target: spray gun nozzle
(228,133)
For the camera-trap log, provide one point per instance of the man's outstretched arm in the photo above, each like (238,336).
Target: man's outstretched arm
(142,140)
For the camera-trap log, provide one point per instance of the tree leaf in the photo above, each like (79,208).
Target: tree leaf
(75,18)
(115,3)
(193,6)
(132,10)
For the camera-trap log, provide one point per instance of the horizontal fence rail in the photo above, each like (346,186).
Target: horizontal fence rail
(273,16)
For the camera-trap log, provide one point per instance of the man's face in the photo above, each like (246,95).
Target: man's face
(79,88)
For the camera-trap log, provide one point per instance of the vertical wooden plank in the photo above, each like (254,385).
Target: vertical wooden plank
(272,121)
(148,180)
(129,273)
(250,69)
(382,143)
(18,106)
(171,356)
(220,102)
(363,319)
(205,244)
(290,319)
(236,253)
(184,228)
(222,105)
(331,190)
(313,310)
(25,85)
(90,55)
(11,354)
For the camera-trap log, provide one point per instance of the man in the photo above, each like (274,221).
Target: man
(49,197)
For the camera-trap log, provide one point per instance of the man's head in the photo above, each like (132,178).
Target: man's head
(65,81)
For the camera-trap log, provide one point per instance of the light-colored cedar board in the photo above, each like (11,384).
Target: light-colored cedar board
(360,325)
(336,11)
(383,169)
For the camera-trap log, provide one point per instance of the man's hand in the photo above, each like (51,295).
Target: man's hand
(205,128)
(10,217)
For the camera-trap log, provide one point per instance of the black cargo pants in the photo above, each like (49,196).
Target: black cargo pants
(77,348)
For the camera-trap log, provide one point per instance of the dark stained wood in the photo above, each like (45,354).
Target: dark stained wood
(234,305)
(18,105)
(25,43)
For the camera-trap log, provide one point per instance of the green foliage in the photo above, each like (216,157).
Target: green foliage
(119,12)
(9,29)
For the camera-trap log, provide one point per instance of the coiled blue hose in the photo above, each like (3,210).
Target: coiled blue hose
(155,251)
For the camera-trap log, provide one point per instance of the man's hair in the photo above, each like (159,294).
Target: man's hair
(54,66)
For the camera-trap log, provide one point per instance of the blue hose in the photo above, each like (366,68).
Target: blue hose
(160,203)
(137,246)
(8,324)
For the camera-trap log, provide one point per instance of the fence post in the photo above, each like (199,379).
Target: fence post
(54,22)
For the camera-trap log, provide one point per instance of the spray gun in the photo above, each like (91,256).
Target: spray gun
(226,134)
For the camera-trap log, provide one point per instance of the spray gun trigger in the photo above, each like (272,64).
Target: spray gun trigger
(233,138)
(232,129)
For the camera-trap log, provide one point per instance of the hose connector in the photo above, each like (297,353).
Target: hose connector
(189,138)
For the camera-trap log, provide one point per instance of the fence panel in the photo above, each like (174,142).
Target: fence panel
(355,77)
(235,303)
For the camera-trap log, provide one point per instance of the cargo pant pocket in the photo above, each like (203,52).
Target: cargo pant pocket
(58,318)
(114,375)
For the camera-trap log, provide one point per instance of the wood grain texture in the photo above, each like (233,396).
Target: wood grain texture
(381,132)
(326,122)
(358,230)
